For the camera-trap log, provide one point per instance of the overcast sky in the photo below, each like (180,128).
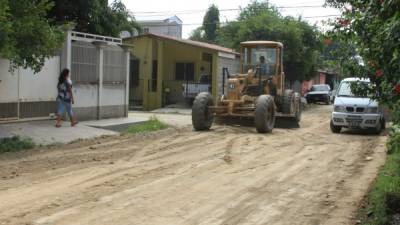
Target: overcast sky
(194,19)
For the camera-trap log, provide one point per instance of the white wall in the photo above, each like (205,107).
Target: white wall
(8,83)
(41,86)
(32,87)
(113,95)
(85,95)
(164,28)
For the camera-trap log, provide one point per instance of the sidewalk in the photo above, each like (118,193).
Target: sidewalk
(45,133)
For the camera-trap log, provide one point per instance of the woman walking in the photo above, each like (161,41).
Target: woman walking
(65,98)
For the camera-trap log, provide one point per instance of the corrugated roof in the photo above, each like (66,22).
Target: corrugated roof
(190,42)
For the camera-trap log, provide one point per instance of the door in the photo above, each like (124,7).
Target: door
(135,84)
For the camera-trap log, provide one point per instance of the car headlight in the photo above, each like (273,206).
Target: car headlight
(339,108)
(372,110)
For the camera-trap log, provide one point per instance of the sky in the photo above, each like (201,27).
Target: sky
(194,17)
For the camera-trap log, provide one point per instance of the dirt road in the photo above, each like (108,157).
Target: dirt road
(231,175)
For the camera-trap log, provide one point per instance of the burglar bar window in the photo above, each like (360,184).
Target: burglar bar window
(184,71)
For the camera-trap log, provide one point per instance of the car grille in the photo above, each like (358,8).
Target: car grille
(355,109)
(354,119)
(349,109)
(360,109)
(317,96)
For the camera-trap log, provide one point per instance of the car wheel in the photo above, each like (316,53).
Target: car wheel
(328,100)
(378,130)
(335,129)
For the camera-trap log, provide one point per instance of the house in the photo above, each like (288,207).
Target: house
(169,25)
(322,77)
(160,65)
(99,71)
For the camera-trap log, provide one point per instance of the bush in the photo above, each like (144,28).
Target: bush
(383,201)
(394,143)
(15,144)
(152,125)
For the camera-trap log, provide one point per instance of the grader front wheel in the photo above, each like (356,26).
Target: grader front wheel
(202,118)
(265,114)
(288,102)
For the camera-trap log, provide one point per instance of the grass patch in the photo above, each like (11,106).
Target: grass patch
(15,144)
(149,126)
(383,200)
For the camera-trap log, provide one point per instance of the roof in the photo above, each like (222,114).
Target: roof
(262,43)
(188,42)
(158,19)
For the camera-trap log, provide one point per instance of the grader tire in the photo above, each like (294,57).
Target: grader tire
(265,114)
(202,118)
(288,102)
(298,109)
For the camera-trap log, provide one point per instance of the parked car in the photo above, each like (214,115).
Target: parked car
(352,111)
(191,90)
(319,93)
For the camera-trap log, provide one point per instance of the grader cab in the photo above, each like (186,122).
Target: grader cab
(258,92)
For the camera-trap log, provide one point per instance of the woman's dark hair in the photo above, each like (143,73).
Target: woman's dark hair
(63,75)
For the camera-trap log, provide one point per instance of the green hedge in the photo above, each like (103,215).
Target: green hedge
(383,200)
(15,144)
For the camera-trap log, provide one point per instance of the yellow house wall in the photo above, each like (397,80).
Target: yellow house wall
(177,52)
(168,53)
(143,50)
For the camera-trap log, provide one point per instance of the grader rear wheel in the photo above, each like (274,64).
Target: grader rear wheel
(202,118)
(265,114)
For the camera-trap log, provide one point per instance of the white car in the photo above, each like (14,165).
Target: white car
(351,111)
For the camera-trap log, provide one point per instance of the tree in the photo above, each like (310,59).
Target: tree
(197,34)
(261,21)
(26,37)
(374,28)
(94,16)
(211,23)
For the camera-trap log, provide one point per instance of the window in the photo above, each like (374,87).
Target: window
(207,57)
(134,73)
(146,30)
(184,71)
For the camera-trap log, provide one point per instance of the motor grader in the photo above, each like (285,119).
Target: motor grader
(257,92)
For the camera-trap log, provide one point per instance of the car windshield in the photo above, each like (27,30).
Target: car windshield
(320,88)
(345,89)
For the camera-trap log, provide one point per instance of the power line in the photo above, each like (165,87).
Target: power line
(221,10)
(223,23)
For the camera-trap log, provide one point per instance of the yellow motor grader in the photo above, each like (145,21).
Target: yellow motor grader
(260,93)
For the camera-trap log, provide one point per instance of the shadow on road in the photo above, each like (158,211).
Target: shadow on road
(283,123)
